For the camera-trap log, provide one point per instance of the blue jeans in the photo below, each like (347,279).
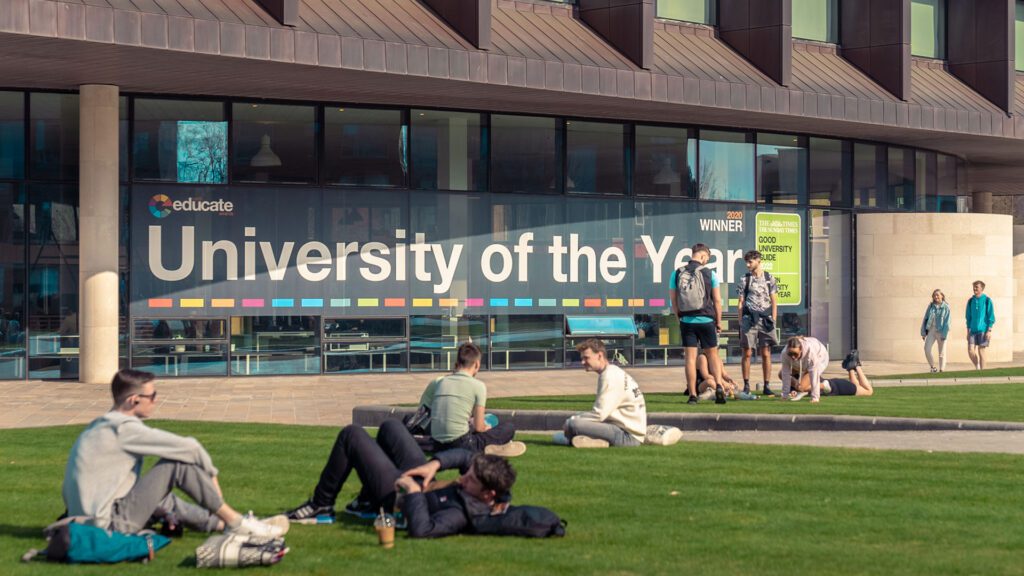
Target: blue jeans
(615,436)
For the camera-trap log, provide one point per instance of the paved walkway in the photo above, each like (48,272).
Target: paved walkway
(942,441)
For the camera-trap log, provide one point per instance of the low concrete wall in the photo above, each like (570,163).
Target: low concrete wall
(901,258)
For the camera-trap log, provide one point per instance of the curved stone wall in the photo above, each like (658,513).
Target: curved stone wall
(901,258)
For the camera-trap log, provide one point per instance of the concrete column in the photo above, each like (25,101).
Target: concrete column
(98,225)
(982,202)
(1018,289)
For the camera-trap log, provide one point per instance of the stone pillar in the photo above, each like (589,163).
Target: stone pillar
(982,202)
(98,225)
(1018,293)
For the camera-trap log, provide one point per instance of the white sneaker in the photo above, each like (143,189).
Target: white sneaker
(588,442)
(826,387)
(799,396)
(509,449)
(659,435)
(252,527)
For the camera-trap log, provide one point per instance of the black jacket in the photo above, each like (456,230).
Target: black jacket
(446,511)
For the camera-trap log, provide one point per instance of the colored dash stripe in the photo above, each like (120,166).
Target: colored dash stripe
(592,302)
(636,301)
(547,302)
(312,302)
(368,302)
(615,302)
(447,301)
(282,303)
(222,302)
(422,302)
(252,303)
(394,302)
(500,302)
(570,301)
(524,302)
(161,303)
(341,302)
(656,302)
(474,301)
(192,303)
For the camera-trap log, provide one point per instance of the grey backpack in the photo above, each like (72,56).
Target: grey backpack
(690,289)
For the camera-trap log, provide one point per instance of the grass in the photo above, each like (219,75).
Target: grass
(989,373)
(1004,402)
(693,508)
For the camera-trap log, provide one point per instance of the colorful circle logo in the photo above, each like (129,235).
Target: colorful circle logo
(160,206)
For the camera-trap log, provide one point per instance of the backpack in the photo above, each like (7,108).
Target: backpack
(73,542)
(527,521)
(690,288)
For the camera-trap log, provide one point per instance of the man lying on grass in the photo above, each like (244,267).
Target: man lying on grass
(102,478)
(395,463)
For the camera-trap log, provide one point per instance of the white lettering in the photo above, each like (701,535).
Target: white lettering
(188,257)
(303,260)
(276,267)
(230,257)
(506,263)
(657,255)
(371,259)
(557,250)
(522,249)
(446,269)
(613,258)
(341,258)
(575,252)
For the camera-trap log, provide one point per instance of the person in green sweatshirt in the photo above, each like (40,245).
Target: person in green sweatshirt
(981,316)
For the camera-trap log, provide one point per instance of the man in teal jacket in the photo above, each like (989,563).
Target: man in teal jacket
(981,317)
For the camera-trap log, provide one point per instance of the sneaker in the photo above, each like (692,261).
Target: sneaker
(706,395)
(560,439)
(746,388)
(852,360)
(692,400)
(509,449)
(746,396)
(660,435)
(250,526)
(934,370)
(362,509)
(279,521)
(719,395)
(765,391)
(308,513)
(826,387)
(798,397)
(588,442)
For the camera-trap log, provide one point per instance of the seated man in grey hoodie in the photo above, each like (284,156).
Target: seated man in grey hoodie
(102,478)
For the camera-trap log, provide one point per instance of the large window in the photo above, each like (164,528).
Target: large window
(901,179)
(526,154)
(448,150)
(726,165)
(12,282)
(12,135)
(831,168)
(831,244)
(364,345)
(664,156)
(596,157)
(928,28)
(869,162)
(273,143)
(180,141)
(53,149)
(180,346)
(365,147)
(275,345)
(947,184)
(700,11)
(816,20)
(528,341)
(1018,36)
(781,169)
(434,340)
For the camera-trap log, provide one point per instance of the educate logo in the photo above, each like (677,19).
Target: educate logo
(161,206)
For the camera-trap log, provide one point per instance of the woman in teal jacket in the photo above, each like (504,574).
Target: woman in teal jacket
(935,328)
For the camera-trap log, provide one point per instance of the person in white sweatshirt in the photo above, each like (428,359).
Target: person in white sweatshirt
(804,356)
(619,415)
(103,478)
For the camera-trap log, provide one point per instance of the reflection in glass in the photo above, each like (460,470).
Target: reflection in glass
(448,151)
(831,244)
(699,11)
(869,164)
(275,345)
(146,329)
(901,179)
(619,351)
(928,28)
(596,157)
(663,159)
(184,359)
(527,341)
(925,184)
(434,340)
(526,154)
(947,184)
(53,121)
(658,342)
(123,172)
(365,147)
(816,20)
(364,345)
(12,135)
(180,141)
(781,168)
(726,166)
(12,282)
(831,164)
(53,281)
(273,143)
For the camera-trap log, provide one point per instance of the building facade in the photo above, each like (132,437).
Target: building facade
(234,187)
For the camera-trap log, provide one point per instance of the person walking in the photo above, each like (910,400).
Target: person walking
(981,316)
(935,328)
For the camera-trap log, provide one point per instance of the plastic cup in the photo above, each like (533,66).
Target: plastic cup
(384,524)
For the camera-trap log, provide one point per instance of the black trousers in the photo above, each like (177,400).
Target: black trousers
(476,441)
(378,464)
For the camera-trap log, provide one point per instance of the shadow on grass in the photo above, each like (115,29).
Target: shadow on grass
(23,532)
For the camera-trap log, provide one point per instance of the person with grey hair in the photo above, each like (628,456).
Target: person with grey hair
(103,479)
(935,329)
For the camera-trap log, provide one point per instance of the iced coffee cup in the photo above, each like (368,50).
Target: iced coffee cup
(384,524)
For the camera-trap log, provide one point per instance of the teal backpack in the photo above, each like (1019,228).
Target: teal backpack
(76,543)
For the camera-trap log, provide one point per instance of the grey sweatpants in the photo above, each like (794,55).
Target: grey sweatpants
(152,497)
(615,436)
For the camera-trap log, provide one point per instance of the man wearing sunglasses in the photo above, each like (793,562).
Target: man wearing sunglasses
(103,478)
(804,357)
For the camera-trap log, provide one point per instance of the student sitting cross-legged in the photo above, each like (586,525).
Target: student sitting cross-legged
(103,478)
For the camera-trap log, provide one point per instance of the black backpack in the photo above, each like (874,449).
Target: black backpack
(527,521)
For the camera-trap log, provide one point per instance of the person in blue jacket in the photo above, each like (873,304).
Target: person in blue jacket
(935,328)
(981,316)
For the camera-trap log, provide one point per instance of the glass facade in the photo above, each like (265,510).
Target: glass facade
(816,20)
(1018,35)
(928,28)
(699,11)
(592,196)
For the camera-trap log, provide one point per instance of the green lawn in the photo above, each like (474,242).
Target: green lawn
(990,373)
(971,402)
(693,508)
